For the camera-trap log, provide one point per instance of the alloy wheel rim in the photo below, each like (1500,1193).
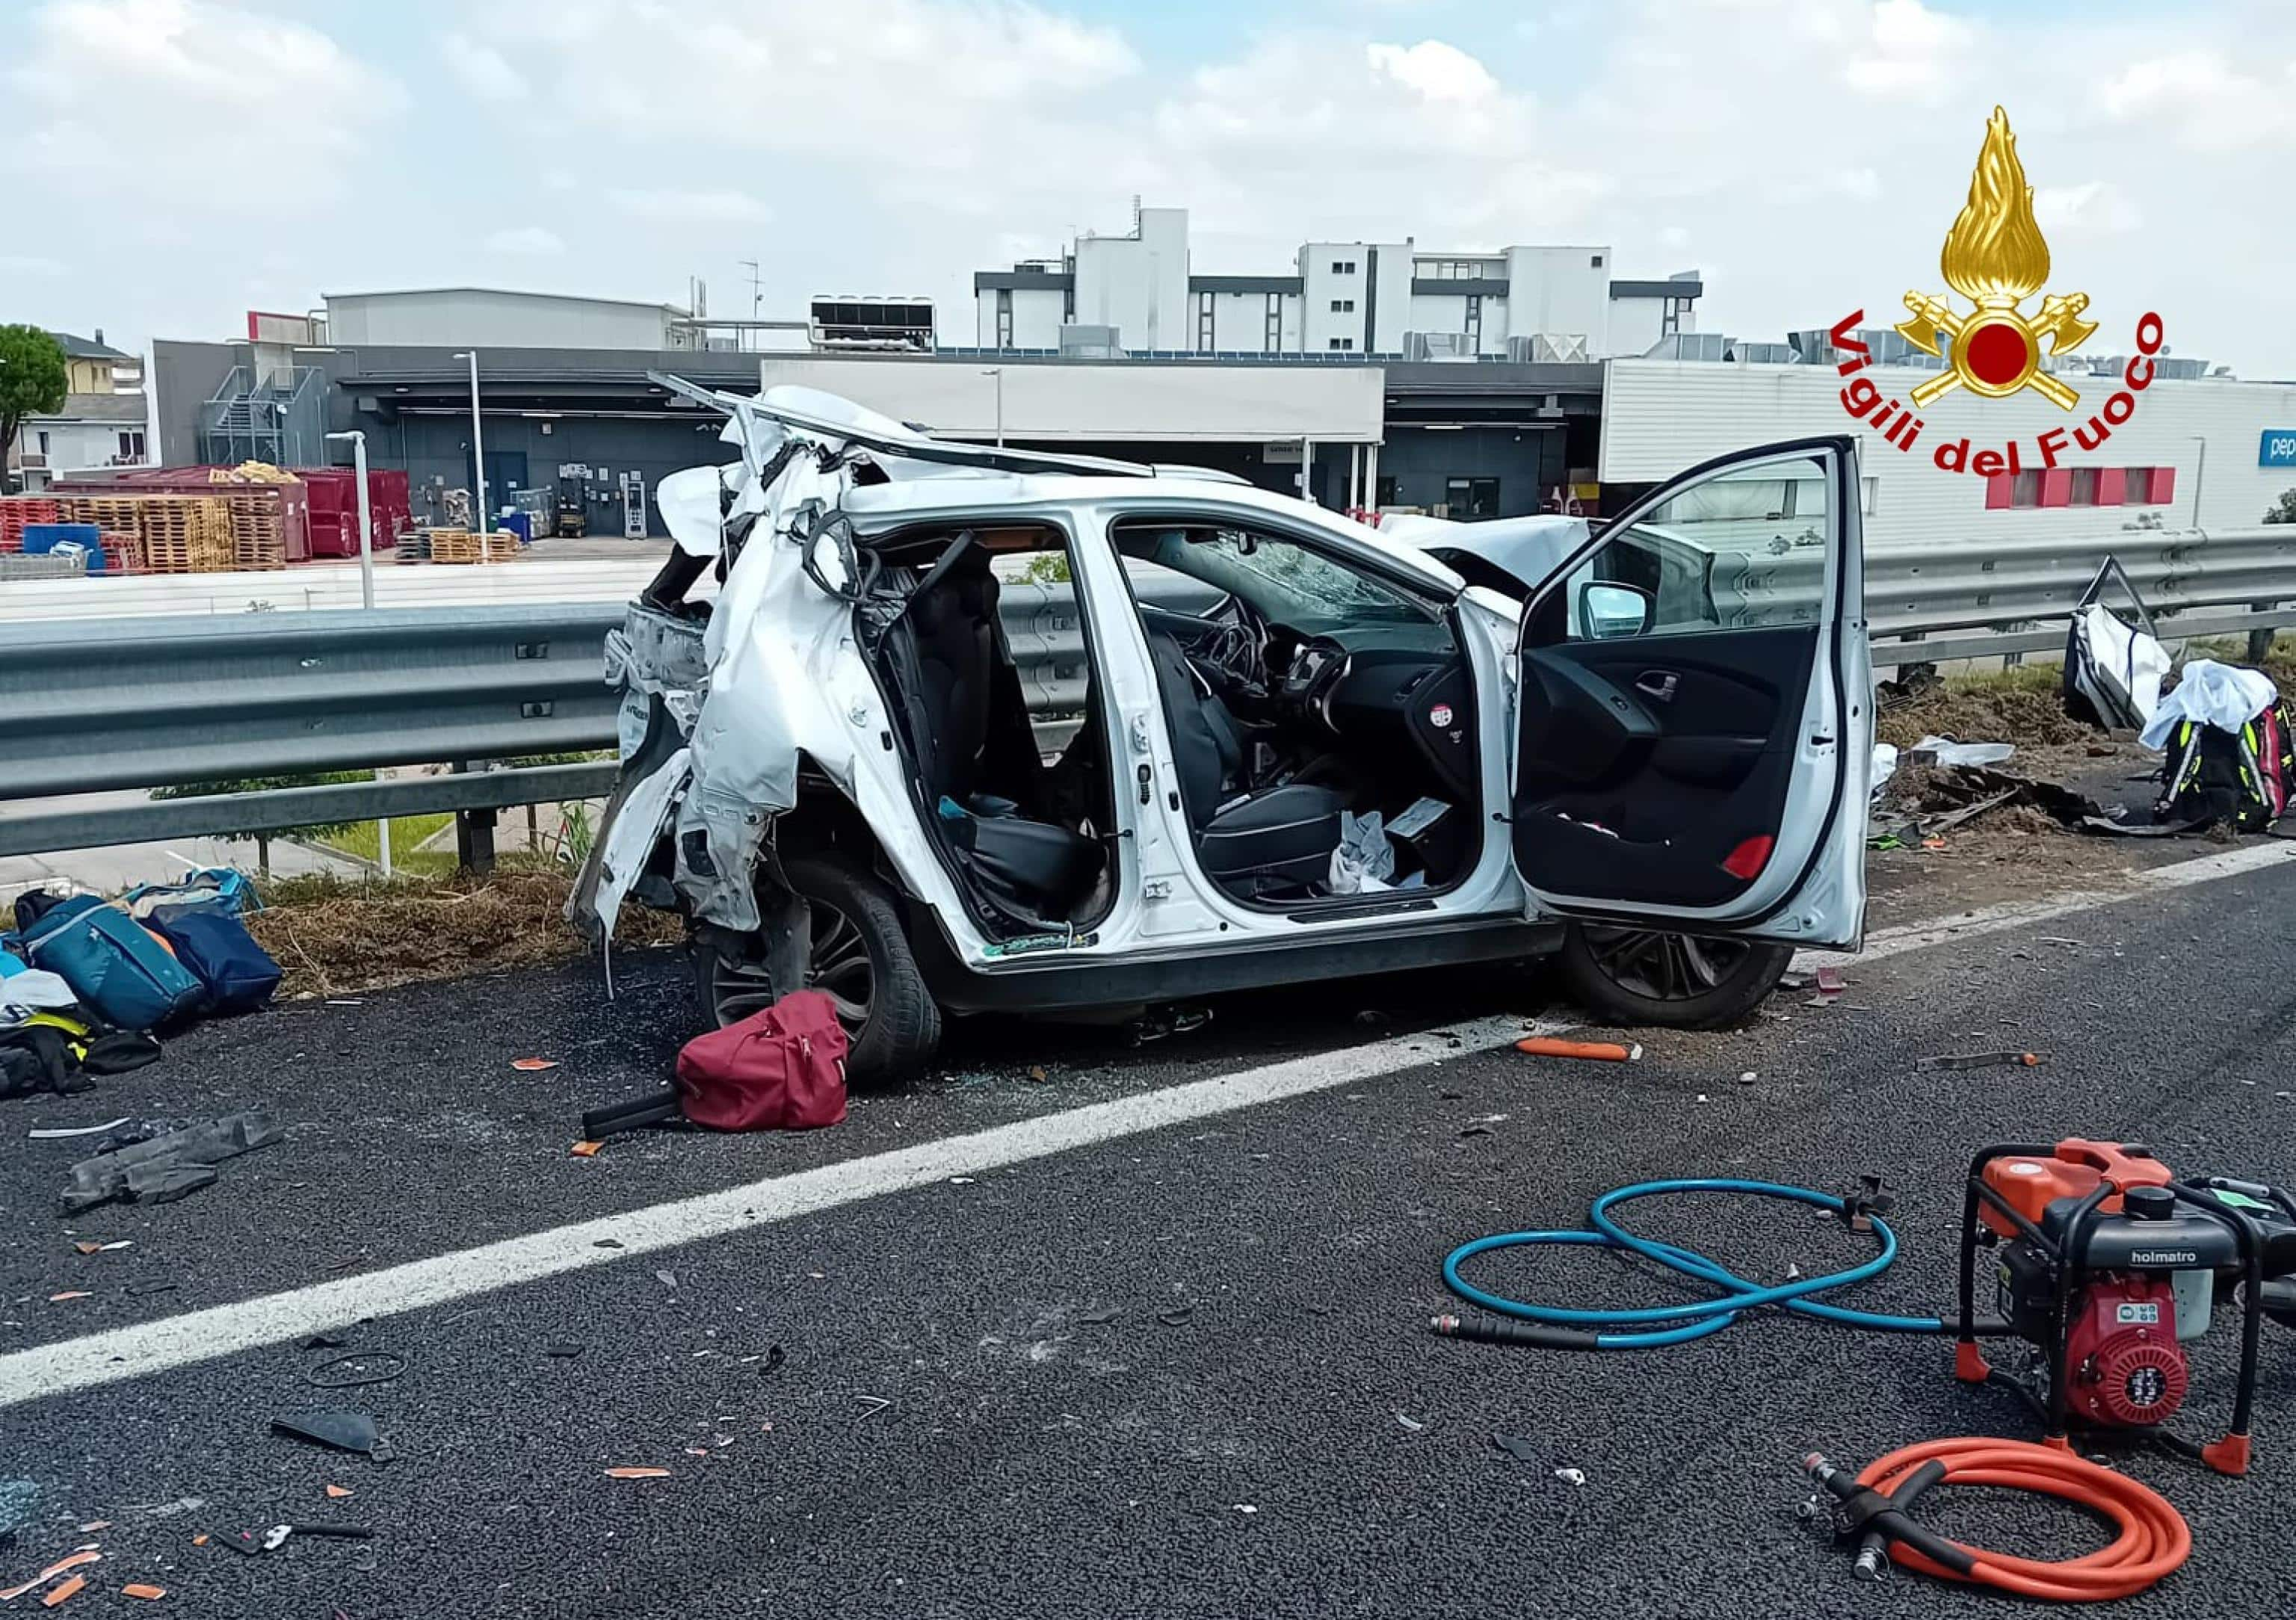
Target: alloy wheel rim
(1664,967)
(840,968)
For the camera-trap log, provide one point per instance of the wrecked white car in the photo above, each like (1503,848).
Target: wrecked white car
(967,729)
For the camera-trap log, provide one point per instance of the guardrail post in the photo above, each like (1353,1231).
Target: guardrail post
(2260,644)
(474,833)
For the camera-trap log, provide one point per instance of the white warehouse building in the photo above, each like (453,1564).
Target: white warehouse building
(1139,292)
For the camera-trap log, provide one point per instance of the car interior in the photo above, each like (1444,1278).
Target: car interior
(1024,826)
(1323,721)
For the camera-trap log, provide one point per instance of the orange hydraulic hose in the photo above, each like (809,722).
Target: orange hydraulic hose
(2153,1541)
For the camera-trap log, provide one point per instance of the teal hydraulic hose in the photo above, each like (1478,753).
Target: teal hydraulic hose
(1566,1328)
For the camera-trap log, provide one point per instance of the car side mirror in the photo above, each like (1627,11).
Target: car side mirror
(1607,609)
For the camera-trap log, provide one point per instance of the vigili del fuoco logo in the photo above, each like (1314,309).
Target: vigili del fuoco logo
(1995,258)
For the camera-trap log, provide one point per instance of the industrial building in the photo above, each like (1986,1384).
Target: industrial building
(1488,433)
(1139,291)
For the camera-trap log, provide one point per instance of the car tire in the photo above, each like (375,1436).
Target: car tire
(892,1024)
(1634,977)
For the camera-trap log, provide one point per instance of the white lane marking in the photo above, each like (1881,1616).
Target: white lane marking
(126,1352)
(1885,942)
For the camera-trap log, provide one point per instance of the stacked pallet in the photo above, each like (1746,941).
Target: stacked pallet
(460,545)
(172,533)
(15,513)
(258,540)
(123,552)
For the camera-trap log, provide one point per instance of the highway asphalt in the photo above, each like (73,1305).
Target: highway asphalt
(1174,1371)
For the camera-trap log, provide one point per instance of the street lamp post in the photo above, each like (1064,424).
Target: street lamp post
(366,518)
(485,515)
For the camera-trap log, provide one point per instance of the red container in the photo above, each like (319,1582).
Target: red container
(292,500)
(334,508)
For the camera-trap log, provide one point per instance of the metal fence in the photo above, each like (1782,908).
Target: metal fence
(91,707)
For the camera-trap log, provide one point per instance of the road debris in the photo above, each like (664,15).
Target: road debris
(94,1525)
(774,1357)
(366,1367)
(668,1279)
(1411,1424)
(143,1590)
(326,1341)
(170,1166)
(1983,1060)
(69,1294)
(608,1243)
(61,1133)
(533,1066)
(585,1150)
(341,1431)
(1599,1051)
(1830,982)
(562,1349)
(1747,1076)
(638,1473)
(71,1561)
(1571,1477)
(336,1493)
(1099,1316)
(1516,1447)
(1246,1508)
(1176,1317)
(68,1590)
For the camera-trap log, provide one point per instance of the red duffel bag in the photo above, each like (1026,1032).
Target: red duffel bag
(782,1070)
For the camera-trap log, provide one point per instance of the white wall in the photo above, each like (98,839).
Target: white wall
(1321,286)
(1660,416)
(75,447)
(1082,401)
(1635,324)
(1038,313)
(1139,284)
(1392,318)
(503,320)
(1559,290)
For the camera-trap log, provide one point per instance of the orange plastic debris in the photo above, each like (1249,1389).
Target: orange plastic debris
(638,1473)
(1602,1052)
(84,1556)
(89,1249)
(61,1593)
(586,1149)
(339,1492)
(198,1540)
(139,1589)
(67,1294)
(530,1065)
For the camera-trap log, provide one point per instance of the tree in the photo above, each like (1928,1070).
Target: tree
(2283,510)
(264,785)
(33,379)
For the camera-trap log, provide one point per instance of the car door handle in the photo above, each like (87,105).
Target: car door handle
(1658,684)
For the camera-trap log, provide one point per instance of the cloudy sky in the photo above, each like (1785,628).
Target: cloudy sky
(174,163)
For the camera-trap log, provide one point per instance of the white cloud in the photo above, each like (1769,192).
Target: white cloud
(483,70)
(691,207)
(1910,51)
(2205,103)
(150,97)
(2093,206)
(526,241)
(1439,71)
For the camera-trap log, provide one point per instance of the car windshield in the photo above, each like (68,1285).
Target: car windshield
(1281,579)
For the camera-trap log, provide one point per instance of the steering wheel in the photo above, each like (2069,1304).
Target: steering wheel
(1230,660)
(1318,665)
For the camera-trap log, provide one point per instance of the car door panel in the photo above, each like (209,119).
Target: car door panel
(1697,771)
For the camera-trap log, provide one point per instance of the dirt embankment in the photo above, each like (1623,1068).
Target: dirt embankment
(335,938)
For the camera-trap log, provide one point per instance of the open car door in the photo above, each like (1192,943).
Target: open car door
(1697,765)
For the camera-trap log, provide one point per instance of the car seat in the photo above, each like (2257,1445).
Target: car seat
(1253,843)
(968,724)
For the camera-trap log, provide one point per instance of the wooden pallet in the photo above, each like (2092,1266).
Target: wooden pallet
(16,511)
(256,540)
(186,535)
(460,545)
(123,553)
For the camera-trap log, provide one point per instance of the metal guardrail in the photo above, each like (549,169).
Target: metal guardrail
(92,705)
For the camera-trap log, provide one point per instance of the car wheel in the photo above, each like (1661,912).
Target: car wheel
(860,957)
(1677,981)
